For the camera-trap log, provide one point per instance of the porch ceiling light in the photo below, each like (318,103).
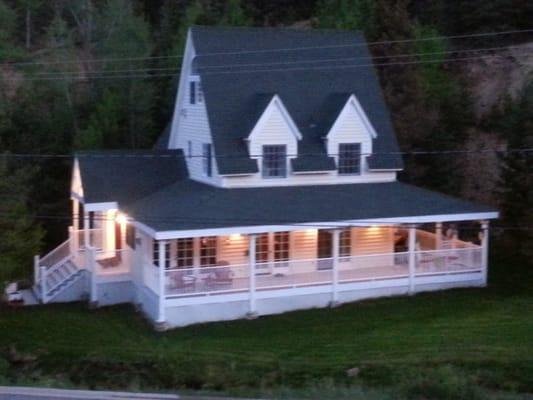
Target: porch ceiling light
(121,218)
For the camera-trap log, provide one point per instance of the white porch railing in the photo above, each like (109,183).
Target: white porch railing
(436,262)
(95,238)
(314,272)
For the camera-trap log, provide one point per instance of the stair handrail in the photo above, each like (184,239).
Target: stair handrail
(56,256)
(51,270)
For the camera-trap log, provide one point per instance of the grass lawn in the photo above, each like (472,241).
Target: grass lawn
(472,342)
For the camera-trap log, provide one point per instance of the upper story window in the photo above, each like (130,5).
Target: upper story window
(274,161)
(207,159)
(349,159)
(196,94)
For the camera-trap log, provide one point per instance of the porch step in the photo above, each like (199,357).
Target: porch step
(58,280)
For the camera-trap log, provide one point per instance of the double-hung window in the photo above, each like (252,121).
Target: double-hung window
(345,244)
(208,251)
(274,161)
(207,159)
(184,253)
(349,159)
(155,254)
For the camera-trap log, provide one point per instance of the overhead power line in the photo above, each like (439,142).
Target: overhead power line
(375,43)
(132,74)
(112,154)
(306,61)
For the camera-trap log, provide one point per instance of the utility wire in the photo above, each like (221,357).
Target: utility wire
(105,75)
(526,150)
(306,61)
(375,43)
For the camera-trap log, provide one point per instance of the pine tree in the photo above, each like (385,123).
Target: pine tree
(516,187)
(20,236)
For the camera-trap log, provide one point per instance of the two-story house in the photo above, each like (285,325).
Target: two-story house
(273,189)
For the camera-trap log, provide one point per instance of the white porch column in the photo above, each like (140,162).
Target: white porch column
(86,241)
(412,257)
(42,277)
(161,307)
(438,235)
(335,267)
(91,266)
(252,239)
(485,249)
(75,213)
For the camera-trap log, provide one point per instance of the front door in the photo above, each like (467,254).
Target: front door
(118,236)
(324,249)
(271,252)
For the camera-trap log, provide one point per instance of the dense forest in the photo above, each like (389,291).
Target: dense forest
(93,74)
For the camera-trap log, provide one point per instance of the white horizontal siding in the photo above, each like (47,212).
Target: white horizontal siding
(190,123)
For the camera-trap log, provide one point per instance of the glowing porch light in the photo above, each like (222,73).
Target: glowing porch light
(122,219)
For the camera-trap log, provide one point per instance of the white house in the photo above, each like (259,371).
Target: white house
(273,189)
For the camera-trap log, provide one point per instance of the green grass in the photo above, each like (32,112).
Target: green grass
(444,344)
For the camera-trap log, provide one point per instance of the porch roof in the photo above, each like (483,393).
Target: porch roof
(127,175)
(189,205)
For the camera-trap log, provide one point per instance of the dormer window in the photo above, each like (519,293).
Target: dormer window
(274,161)
(349,159)
(196,95)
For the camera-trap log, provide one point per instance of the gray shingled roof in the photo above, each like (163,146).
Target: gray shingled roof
(127,175)
(192,205)
(312,93)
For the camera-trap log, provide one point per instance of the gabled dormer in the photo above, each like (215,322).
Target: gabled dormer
(273,141)
(349,140)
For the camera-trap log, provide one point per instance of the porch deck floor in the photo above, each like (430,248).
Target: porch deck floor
(280,279)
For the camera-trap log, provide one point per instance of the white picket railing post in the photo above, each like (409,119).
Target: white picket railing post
(438,235)
(161,318)
(36,269)
(43,284)
(251,268)
(335,267)
(412,258)
(91,266)
(485,250)
(86,240)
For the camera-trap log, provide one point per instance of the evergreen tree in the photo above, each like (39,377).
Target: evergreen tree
(516,191)
(20,236)
(346,14)
(8,26)
(234,14)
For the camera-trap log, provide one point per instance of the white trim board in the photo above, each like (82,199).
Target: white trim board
(324,225)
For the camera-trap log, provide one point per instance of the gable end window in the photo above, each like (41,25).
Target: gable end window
(207,159)
(192,92)
(349,159)
(274,161)
(196,94)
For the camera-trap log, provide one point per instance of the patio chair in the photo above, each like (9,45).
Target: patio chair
(180,280)
(220,276)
